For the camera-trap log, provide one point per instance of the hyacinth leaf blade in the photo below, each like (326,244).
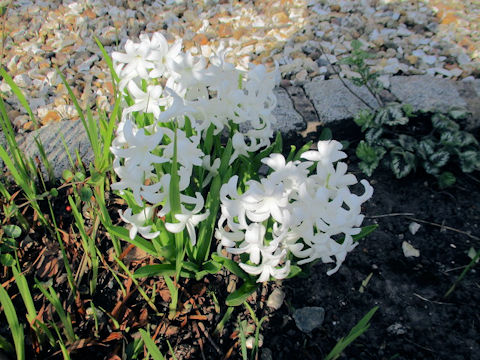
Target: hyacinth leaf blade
(239,296)
(174,195)
(207,227)
(160,270)
(138,241)
(231,266)
(108,60)
(208,267)
(294,271)
(302,150)
(365,231)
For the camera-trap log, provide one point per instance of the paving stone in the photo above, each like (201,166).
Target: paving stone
(334,102)
(288,119)
(427,93)
(50,136)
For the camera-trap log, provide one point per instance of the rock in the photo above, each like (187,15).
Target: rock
(334,102)
(396,329)
(288,119)
(275,300)
(50,136)
(251,341)
(413,227)
(309,318)
(22,80)
(426,93)
(409,250)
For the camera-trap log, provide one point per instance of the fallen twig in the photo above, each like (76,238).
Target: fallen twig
(445,227)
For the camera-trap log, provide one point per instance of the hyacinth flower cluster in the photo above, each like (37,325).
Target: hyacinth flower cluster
(311,216)
(192,128)
(173,99)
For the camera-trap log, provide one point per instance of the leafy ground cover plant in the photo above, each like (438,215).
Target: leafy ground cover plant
(437,143)
(437,147)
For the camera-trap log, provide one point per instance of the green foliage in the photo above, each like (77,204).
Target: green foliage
(435,147)
(365,77)
(356,331)
(8,245)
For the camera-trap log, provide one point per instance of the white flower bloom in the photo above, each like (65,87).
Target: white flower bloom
(268,267)
(135,62)
(328,152)
(138,153)
(149,101)
(138,221)
(189,219)
(212,169)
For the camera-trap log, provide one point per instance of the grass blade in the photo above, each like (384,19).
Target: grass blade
(16,328)
(53,298)
(356,331)
(150,345)
(18,93)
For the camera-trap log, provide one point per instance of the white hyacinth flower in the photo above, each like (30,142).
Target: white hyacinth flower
(189,219)
(137,222)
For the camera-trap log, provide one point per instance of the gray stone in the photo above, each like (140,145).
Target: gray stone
(50,136)
(288,119)
(427,93)
(334,102)
(309,318)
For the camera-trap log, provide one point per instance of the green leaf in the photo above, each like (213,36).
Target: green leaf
(8,348)
(364,119)
(86,193)
(356,331)
(366,153)
(12,231)
(294,271)
(7,260)
(123,233)
(209,267)
(458,113)
(469,160)
(356,44)
(408,143)
(366,230)
(440,158)
(403,164)
(441,122)
(431,168)
(326,134)
(407,110)
(367,168)
(231,266)
(373,135)
(16,329)
(155,270)
(446,179)
(239,296)
(425,148)
(18,93)
(150,345)
(396,115)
